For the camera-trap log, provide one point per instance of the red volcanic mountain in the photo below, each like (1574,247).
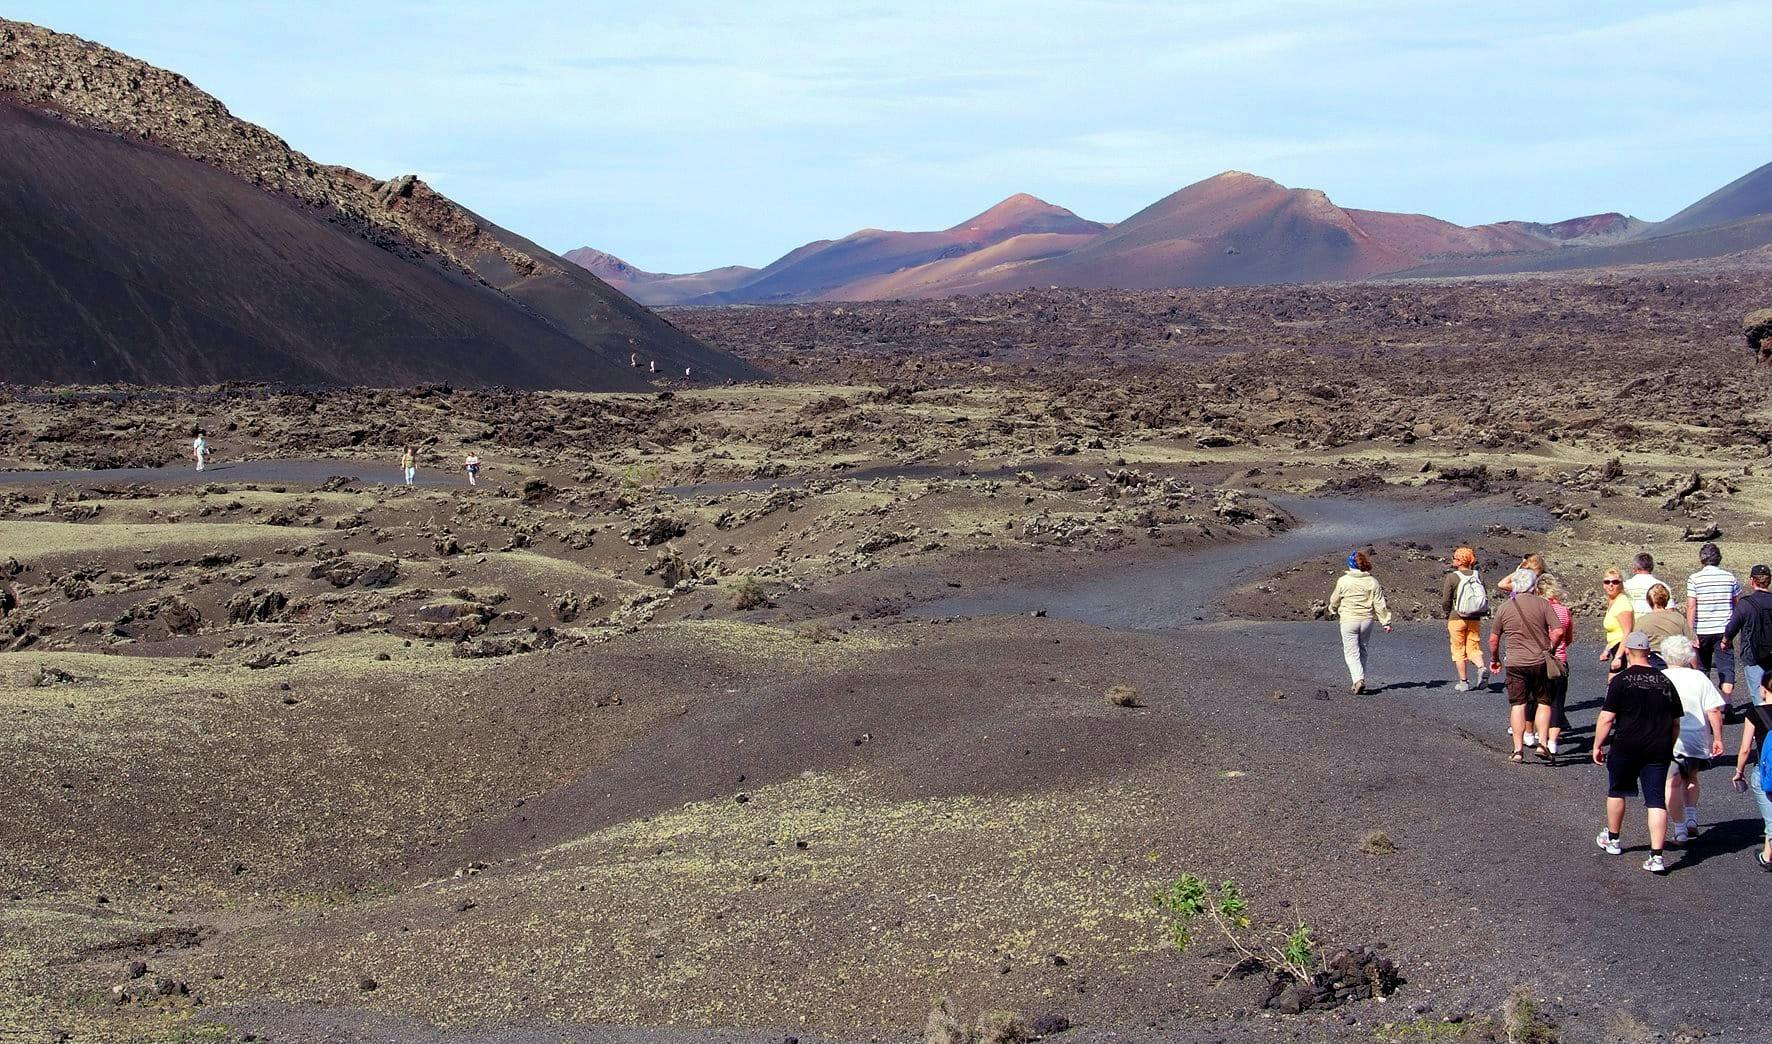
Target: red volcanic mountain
(148,236)
(1234,228)
(833,268)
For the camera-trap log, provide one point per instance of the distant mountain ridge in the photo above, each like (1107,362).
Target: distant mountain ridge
(152,237)
(1231,229)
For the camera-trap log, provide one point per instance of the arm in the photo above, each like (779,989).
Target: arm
(1691,611)
(1495,639)
(1747,745)
(1506,584)
(1335,599)
(1716,732)
(1448,589)
(1570,632)
(1736,619)
(1379,606)
(1602,729)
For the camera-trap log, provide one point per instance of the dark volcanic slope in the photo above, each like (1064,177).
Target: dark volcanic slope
(151,268)
(151,237)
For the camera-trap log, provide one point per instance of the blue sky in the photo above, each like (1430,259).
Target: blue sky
(684,135)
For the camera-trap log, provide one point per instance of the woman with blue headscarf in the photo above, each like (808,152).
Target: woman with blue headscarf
(1358,603)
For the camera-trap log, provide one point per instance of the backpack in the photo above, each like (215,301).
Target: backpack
(1472,599)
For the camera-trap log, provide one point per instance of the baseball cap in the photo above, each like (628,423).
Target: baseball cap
(1761,572)
(1637,640)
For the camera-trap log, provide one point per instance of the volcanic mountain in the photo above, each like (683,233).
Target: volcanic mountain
(1230,229)
(861,263)
(148,236)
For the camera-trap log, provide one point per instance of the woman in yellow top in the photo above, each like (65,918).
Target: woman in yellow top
(1358,603)
(1620,620)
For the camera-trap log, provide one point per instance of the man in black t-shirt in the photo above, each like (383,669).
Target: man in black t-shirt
(1642,719)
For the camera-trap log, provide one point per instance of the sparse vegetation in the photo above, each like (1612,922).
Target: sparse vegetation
(1189,900)
(1378,843)
(1122,696)
(944,1026)
(749,593)
(1523,1019)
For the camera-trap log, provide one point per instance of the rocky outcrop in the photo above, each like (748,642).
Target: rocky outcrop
(1757,328)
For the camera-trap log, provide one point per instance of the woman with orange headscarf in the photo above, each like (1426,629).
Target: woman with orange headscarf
(1465,602)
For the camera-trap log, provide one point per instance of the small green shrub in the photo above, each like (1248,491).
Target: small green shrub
(1190,901)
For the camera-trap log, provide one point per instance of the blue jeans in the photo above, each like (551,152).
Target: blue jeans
(1754,674)
(1761,798)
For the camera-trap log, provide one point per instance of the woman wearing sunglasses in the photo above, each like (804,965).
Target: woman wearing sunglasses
(1621,619)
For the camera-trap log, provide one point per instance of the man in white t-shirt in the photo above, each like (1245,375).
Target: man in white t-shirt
(1711,594)
(1701,733)
(200,449)
(1642,578)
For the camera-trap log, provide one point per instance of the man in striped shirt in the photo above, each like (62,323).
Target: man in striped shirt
(1710,600)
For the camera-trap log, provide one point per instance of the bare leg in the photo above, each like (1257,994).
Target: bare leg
(1542,723)
(1615,815)
(1676,797)
(1657,828)
(1517,725)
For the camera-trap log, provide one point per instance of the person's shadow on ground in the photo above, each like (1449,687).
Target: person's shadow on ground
(1725,838)
(1403,685)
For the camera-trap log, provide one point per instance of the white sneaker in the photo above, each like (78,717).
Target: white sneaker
(1461,687)
(1531,739)
(1481,674)
(1607,842)
(1680,834)
(1550,747)
(1655,865)
(1691,821)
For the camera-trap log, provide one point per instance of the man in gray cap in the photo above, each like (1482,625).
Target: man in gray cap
(1641,718)
(1529,627)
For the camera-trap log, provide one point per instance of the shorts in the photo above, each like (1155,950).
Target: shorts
(1690,766)
(1624,774)
(1711,656)
(1527,686)
(1466,638)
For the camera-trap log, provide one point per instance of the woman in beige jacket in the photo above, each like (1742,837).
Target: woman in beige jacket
(1358,602)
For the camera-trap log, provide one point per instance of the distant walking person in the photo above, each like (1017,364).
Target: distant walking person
(409,465)
(1642,578)
(200,449)
(634,359)
(1558,683)
(1701,733)
(1711,594)
(1527,626)
(652,365)
(1358,604)
(1465,602)
(472,465)
(1641,718)
(1749,631)
(1619,621)
(1753,767)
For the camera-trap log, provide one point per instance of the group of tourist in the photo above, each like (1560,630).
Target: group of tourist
(408,460)
(1671,675)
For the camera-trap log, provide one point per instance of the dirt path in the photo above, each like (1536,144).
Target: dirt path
(1599,913)
(291,472)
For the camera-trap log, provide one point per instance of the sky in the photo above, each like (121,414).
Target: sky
(687,135)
